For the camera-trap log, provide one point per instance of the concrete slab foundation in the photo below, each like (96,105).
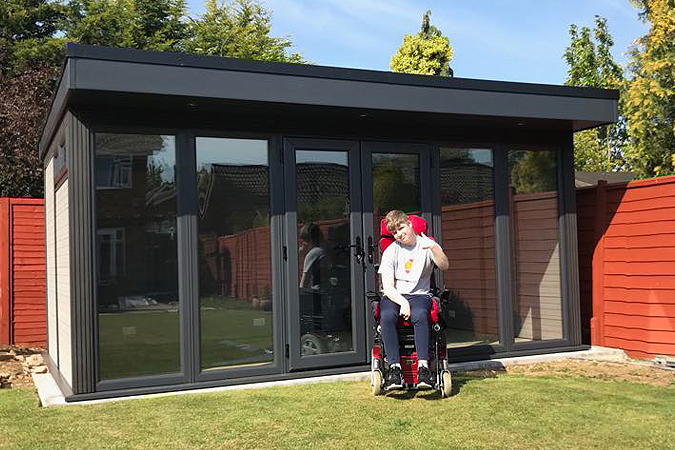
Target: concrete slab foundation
(50,395)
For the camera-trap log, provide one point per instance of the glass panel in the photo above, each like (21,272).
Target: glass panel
(468,222)
(324,255)
(136,255)
(396,185)
(537,308)
(235,264)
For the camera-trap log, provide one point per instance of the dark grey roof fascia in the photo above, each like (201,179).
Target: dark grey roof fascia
(57,108)
(113,70)
(339,73)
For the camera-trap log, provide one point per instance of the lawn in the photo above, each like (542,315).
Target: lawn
(487,411)
(231,334)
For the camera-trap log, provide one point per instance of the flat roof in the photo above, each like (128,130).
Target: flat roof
(113,71)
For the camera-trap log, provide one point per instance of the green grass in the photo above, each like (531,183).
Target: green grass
(505,412)
(146,343)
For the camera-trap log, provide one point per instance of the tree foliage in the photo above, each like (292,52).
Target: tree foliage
(651,95)
(426,53)
(142,24)
(24,102)
(591,65)
(239,29)
(27,30)
(33,34)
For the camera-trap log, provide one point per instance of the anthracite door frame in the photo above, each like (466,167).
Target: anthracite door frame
(296,361)
(423,151)
(183,245)
(276,241)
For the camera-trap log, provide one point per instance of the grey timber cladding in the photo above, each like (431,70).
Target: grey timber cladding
(82,254)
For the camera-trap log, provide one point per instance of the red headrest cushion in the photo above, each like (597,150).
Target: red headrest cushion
(419,226)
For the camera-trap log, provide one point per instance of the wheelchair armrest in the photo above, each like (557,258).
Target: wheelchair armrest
(372,296)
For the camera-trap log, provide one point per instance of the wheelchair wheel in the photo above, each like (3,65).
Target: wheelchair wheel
(446,384)
(376,382)
(311,344)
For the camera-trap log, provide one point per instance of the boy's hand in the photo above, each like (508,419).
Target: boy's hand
(426,242)
(404,310)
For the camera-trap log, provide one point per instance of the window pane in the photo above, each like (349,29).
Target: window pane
(468,222)
(396,185)
(537,308)
(235,264)
(324,255)
(137,255)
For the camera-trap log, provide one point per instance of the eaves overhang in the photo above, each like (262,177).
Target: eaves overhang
(134,72)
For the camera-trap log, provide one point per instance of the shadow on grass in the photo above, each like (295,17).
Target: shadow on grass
(459,379)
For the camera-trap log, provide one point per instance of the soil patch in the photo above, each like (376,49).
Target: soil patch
(633,371)
(16,364)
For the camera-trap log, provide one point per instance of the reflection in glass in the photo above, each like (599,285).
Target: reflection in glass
(137,264)
(235,271)
(468,227)
(396,185)
(537,308)
(324,277)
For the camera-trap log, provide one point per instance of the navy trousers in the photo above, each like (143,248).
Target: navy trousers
(420,305)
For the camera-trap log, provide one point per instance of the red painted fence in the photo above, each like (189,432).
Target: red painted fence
(22,272)
(627,265)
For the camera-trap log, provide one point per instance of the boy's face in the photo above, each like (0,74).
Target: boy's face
(405,234)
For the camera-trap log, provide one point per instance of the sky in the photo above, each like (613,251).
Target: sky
(505,40)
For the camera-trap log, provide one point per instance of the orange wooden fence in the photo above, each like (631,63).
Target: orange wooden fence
(22,272)
(627,265)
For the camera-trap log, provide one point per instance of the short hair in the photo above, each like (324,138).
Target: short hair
(394,218)
(310,232)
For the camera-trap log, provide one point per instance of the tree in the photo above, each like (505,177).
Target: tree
(142,24)
(651,95)
(27,30)
(426,53)
(240,29)
(24,102)
(591,65)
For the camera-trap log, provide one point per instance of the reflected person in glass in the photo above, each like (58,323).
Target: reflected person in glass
(310,238)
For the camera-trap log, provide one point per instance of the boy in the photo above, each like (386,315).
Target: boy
(405,269)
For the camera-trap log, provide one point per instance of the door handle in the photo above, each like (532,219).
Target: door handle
(358,251)
(371,250)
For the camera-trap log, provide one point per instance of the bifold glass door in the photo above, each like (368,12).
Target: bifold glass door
(238,258)
(325,313)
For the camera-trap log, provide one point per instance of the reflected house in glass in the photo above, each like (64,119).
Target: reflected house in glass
(213,221)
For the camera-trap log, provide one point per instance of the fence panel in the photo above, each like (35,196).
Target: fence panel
(629,229)
(22,272)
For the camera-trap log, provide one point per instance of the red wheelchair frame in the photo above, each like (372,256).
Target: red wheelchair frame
(438,360)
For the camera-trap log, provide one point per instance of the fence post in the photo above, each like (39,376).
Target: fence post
(598,271)
(5,272)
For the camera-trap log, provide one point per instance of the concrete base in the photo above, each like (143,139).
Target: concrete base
(50,395)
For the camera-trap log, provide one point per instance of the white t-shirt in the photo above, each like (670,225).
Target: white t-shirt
(312,265)
(412,267)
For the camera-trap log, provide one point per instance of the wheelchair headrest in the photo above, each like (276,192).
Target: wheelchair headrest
(419,226)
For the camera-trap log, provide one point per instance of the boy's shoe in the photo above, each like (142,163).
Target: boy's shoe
(424,380)
(394,378)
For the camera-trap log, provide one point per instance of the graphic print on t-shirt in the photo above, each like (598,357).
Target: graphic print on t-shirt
(408,265)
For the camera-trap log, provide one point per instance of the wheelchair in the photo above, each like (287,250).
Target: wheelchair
(438,360)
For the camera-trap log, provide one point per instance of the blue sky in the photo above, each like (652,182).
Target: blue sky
(507,40)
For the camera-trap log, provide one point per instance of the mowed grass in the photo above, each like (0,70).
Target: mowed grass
(147,343)
(509,411)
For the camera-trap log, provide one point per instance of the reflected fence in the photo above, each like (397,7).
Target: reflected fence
(626,239)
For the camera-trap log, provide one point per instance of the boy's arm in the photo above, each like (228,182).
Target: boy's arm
(437,254)
(389,289)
